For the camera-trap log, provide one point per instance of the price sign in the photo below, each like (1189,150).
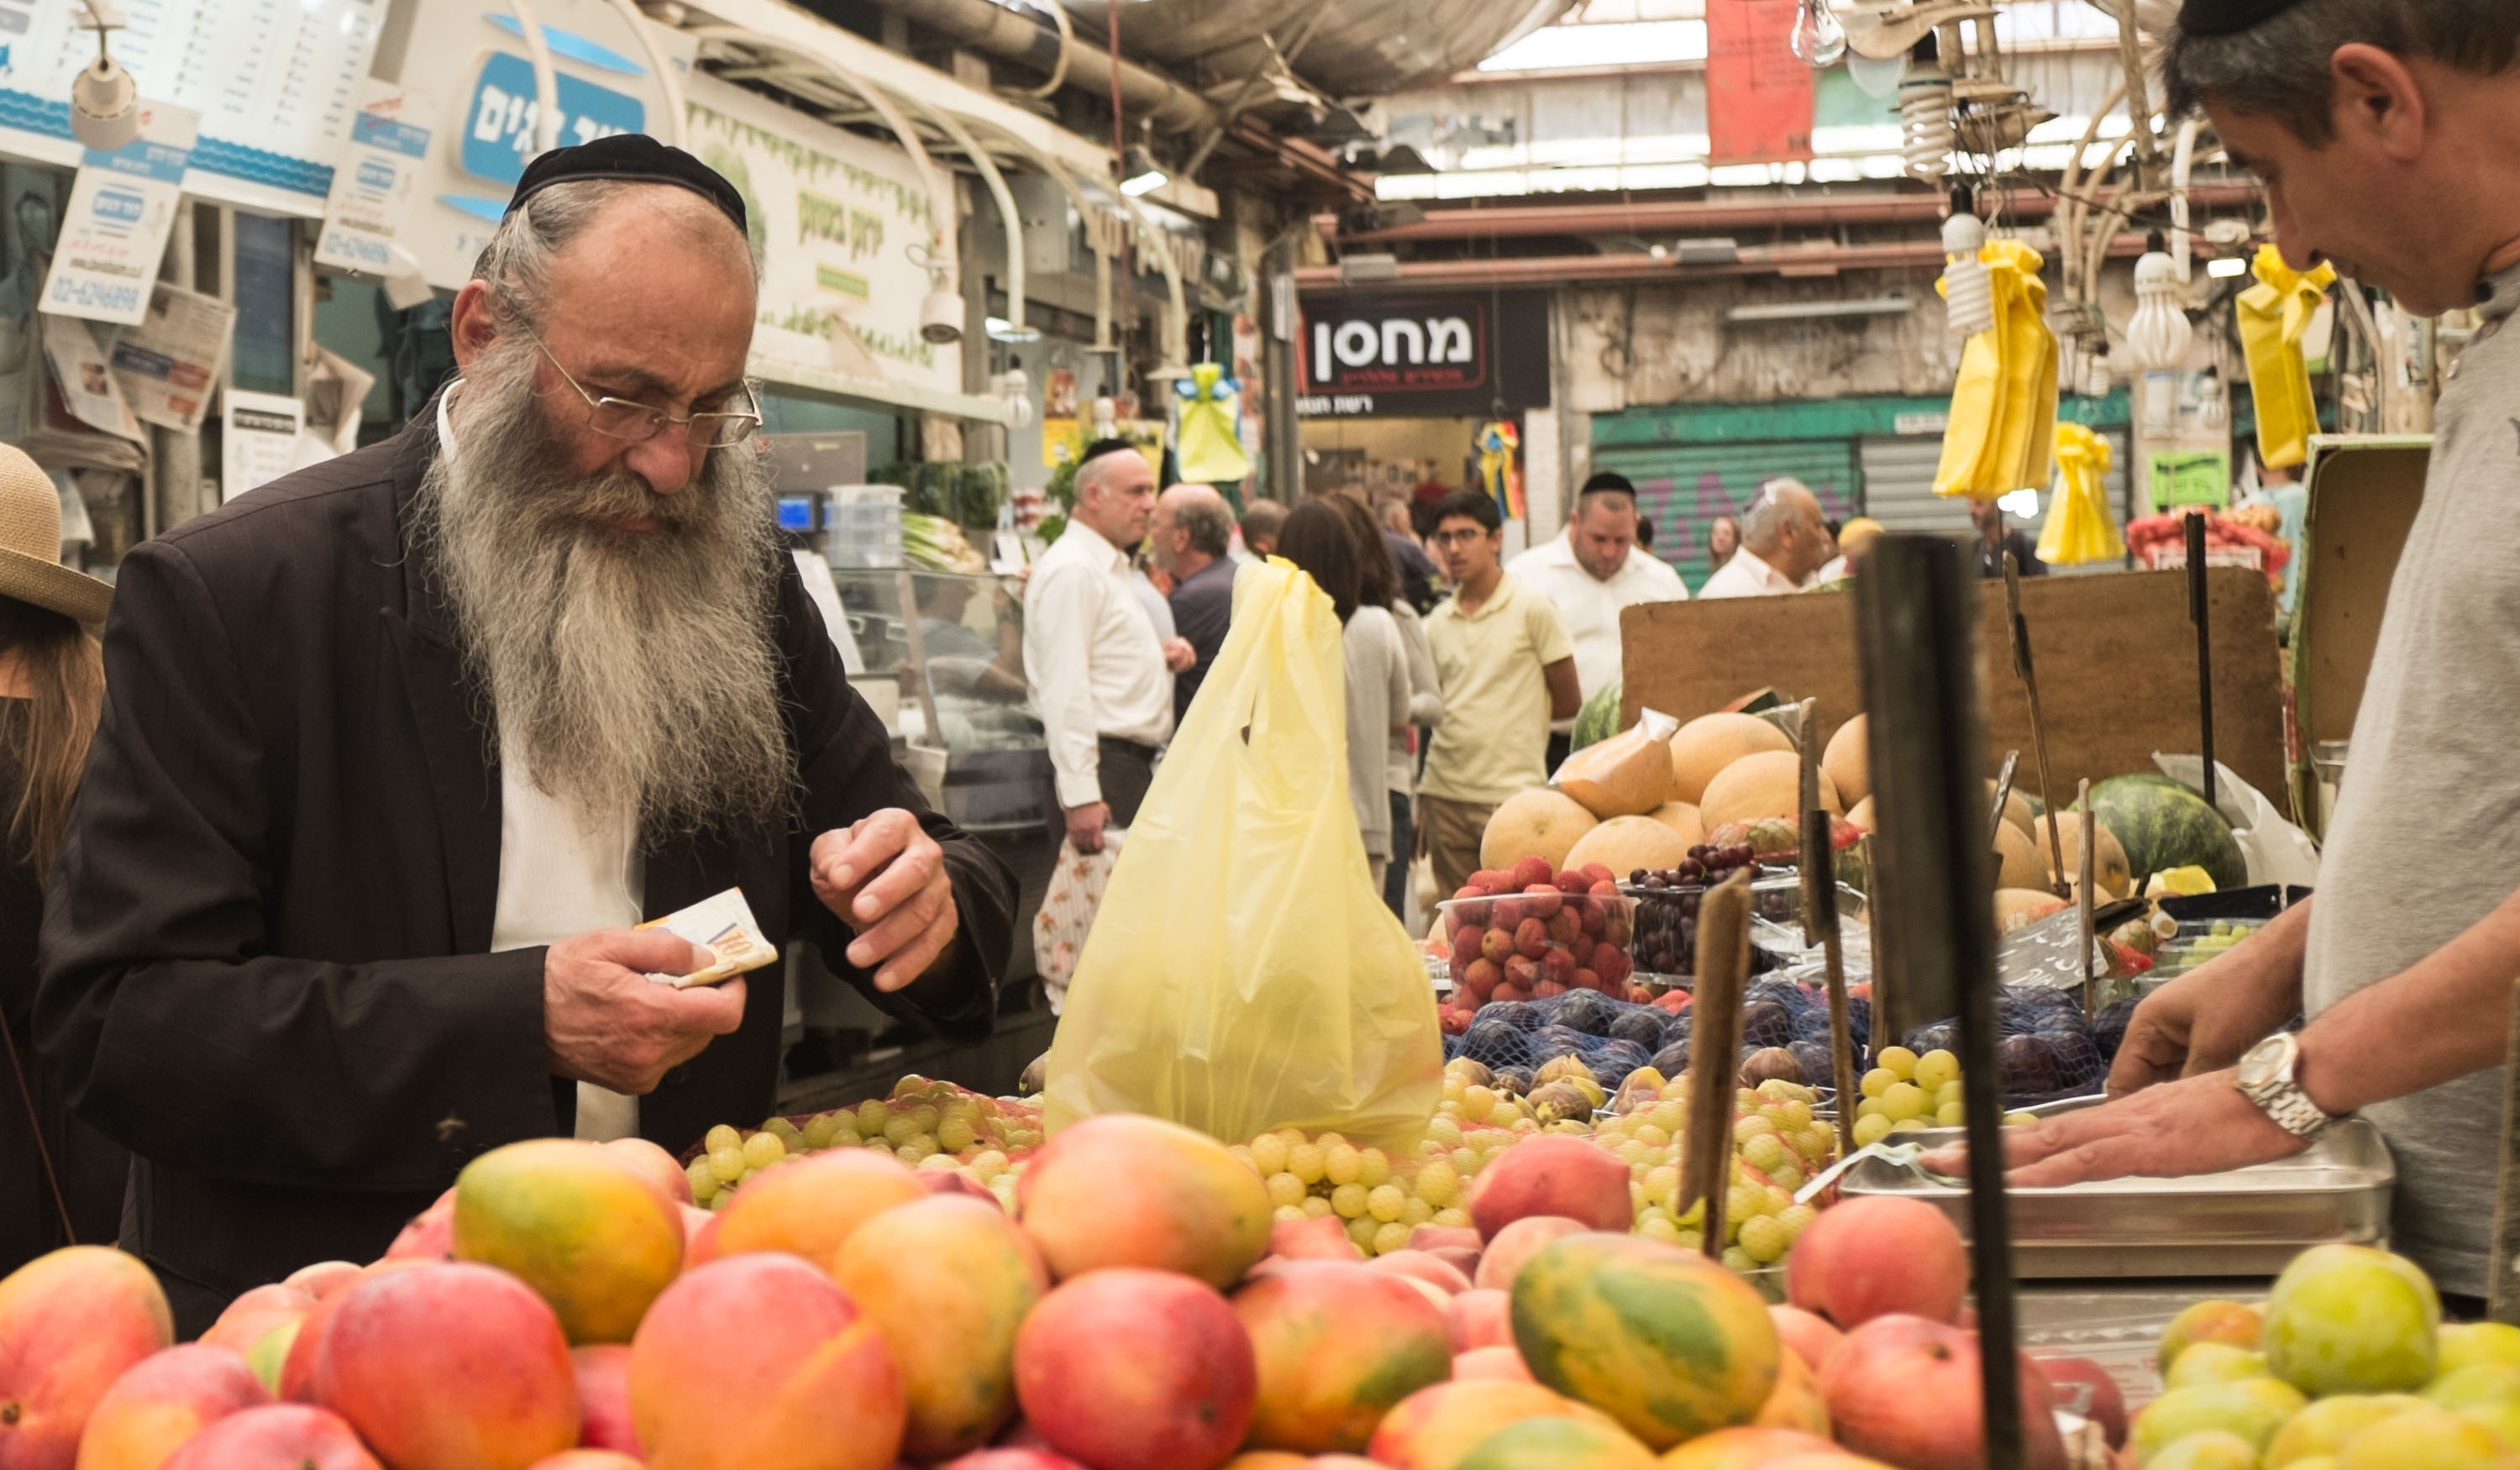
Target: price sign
(121,209)
(373,184)
(501,122)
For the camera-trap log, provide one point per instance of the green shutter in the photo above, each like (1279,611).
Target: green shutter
(1683,487)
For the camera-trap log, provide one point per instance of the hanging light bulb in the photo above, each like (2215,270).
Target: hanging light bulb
(1818,40)
(1968,292)
(1926,119)
(1015,388)
(2096,372)
(2159,334)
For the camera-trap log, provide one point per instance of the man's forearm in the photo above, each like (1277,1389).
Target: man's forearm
(2443,1017)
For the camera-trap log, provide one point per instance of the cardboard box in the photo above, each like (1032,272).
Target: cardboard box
(2364,490)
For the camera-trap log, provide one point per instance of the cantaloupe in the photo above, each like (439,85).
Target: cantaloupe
(2109,870)
(1543,823)
(1627,775)
(1860,814)
(1701,748)
(2018,864)
(1765,784)
(2020,908)
(1848,761)
(1680,818)
(1624,844)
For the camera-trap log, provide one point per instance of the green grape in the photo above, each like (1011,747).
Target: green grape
(1451,1218)
(1268,1154)
(788,1133)
(727,1164)
(954,1134)
(1879,1081)
(936,1162)
(703,1180)
(925,1116)
(764,1150)
(1691,1240)
(1752,1127)
(1660,1228)
(1897,1059)
(1764,1238)
(1349,1200)
(990,1162)
(1361,1229)
(1936,1068)
(1305,1161)
(847,1138)
(900,1128)
(1389,1237)
(1373,1168)
(1413,1211)
(1738,1260)
(1445,1131)
(1765,1153)
(1650,1136)
(1315,1207)
(1341,1164)
(1290,1213)
(1438,1184)
(722,1137)
(1950,1115)
(821,1130)
(1797,1220)
(1903,1102)
(1384,1202)
(873,1115)
(1870,1130)
(1285,1189)
(1743,1202)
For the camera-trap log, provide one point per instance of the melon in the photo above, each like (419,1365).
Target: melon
(1848,761)
(1625,775)
(2016,807)
(1765,784)
(1599,719)
(1624,844)
(1542,823)
(1701,748)
(2020,908)
(2109,871)
(2163,824)
(2018,864)
(1680,818)
(1860,814)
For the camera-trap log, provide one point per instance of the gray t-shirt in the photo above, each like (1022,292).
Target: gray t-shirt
(2432,746)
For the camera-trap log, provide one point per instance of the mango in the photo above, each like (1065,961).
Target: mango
(1122,1189)
(2351,1320)
(2206,1449)
(297,1382)
(759,1363)
(1666,1342)
(947,1280)
(2427,1439)
(603,1374)
(2253,1410)
(1555,1444)
(1554,1175)
(576,1222)
(809,1204)
(449,1366)
(1797,1401)
(588,1460)
(1132,1369)
(2478,1384)
(2465,1343)
(160,1401)
(1745,1447)
(1438,1426)
(276,1437)
(2214,1362)
(71,1323)
(1336,1347)
(2215,1320)
(2323,1427)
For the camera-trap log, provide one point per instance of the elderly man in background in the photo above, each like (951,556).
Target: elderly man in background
(1783,543)
(1193,528)
(397,750)
(1260,523)
(1589,572)
(1102,677)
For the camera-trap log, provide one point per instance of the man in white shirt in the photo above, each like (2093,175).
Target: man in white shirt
(1101,674)
(1783,541)
(1589,572)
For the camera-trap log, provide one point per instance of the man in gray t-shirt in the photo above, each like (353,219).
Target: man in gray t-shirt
(2388,135)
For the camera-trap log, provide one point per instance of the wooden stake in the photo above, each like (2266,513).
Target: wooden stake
(2503,1272)
(1715,1053)
(1820,928)
(2085,902)
(2021,668)
(2199,613)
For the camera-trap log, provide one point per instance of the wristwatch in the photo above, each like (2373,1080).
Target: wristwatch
(2265,1078)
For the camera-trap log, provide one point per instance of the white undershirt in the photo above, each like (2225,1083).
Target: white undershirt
(561,876)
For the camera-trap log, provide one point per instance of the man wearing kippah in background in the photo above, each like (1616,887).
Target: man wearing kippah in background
(2387,133)
(397,750)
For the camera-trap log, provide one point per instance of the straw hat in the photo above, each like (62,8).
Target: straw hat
(30,544)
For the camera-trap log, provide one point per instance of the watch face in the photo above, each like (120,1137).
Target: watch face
(2261,1063)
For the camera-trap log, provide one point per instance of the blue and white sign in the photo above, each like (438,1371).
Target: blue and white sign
(374,182)
(121,209)
(500,123)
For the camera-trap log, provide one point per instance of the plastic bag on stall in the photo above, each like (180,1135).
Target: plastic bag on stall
(1627,775)
(1243,973)
(2277,851)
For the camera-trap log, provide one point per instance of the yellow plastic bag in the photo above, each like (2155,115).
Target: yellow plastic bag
(1243,974)
(2080,528)
(2273,316)
(1209,452)
(2003,404)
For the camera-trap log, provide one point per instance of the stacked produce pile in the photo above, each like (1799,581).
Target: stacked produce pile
(1142,1310)
(930,1126)
(2345,1366)
(1531,932)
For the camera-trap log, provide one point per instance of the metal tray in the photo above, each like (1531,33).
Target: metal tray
(2246,1223)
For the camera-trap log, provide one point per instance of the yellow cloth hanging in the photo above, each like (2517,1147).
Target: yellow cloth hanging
(2273,316)
(2003,405)
(1210,452)
(2080,528)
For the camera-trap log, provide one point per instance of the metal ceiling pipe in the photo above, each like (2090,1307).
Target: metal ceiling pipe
(1711,216)
(1599,270)
(1147,95)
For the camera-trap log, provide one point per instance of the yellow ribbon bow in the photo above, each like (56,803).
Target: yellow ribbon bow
(2080,527)
(2273,315)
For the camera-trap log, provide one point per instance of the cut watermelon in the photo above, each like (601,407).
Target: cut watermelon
(2163,824)
(1597,719)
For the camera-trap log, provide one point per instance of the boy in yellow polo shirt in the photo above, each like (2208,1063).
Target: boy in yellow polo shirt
(1506,670)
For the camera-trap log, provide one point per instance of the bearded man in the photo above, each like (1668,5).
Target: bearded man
(398,750)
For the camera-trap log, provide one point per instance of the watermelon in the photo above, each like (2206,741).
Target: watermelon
(1599,719)
(1663,1340)
(2163,824)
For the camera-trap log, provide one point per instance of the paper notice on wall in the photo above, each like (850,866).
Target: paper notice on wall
(123,207)
(168,366)
(373,184)
(86,382)
(260,445)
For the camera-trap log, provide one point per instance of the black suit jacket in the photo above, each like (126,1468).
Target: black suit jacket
(264,961)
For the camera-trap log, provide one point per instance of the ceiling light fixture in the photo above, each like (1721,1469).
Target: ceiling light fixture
(105,102)
(1140,174)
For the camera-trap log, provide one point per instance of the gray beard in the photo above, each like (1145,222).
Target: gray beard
(628,671)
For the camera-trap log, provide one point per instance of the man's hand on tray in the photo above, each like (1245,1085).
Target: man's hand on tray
(2196,1125)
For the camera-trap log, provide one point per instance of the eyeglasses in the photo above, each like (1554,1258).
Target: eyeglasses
(1458,538)
(621,418)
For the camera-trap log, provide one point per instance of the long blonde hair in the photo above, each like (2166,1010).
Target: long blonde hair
(63,670)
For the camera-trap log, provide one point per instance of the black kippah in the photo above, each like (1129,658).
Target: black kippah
(628,158)
(2227,17)
(1609,481)
(1101,447)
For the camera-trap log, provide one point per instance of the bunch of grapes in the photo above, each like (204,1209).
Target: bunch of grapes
(1666,922)
(927,1125)
(1905,1092)
(1777,1144)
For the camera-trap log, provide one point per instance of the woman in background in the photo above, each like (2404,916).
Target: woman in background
(1382,585)
(1317,538)
(66,1178)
